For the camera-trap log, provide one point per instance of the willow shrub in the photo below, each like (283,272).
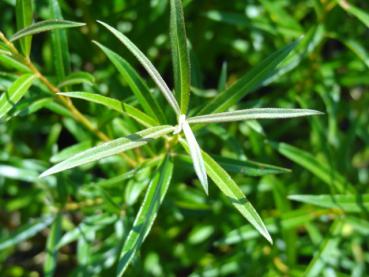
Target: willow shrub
(151,138)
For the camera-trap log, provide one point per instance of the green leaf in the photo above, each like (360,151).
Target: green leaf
(249,168)
(321,170)
(10,62)
(18,173)
(136,83)
(286,221)
(222,82)
(327,247)
(348,203)
(139,116)
(110,148)
(70,151)
(90,223)
(46,25)
(51,249)
(355,11)
(180,55)
(114,104)
(249,82)
(77,78)
(59,43)
(230,189)
(146,215)
(195,152)
(24,16)
(147,65)
(249,114)
(15,93)
(25,232)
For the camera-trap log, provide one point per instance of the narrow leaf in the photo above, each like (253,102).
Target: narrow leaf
(249,168)
(76,78)
(230,189)
(24,16)
(46,25)
(249,82)
(285,222)
(25,232)
(327,247)
(196,156)
(136,83)
(15,93)
(355,11)
(146,215)
(51,249)
(110,148)
(223,77)
(321,170)
(347,203)
(180,57)
(249,114)
(10,62)
(114,104)
(147,65)
(59,43)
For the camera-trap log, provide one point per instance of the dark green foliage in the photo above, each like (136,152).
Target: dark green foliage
(96,107)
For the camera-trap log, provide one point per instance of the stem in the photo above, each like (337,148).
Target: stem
(77,115)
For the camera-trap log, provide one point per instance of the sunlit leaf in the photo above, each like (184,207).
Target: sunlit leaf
(155,75)
(249,114)
(15,93)
(46,25)
(230,189)
(195,152)
(110,148)
(347,203)
(146,215)
(180,56)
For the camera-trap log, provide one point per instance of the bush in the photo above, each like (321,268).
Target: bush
(104,165)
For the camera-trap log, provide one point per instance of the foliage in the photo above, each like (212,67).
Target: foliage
(112,120)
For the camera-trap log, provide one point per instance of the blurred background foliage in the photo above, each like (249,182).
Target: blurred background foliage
(195,235)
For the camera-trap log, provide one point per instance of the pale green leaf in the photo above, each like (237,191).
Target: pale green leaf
(230,189)
(15,93)
(195,152)
(46,25)
(348,203)
(180,55)
(249,114)
(110,148)
(146,215)
(147,65)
